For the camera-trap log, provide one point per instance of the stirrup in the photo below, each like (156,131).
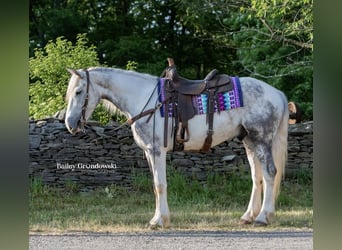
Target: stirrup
(179,138)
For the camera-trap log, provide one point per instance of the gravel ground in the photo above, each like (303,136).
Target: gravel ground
(175,240)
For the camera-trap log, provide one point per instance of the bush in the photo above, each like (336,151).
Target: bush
(49,77)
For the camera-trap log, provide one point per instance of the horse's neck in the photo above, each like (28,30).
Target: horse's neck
(128,92)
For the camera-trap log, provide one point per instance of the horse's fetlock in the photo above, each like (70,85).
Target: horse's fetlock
(166,221)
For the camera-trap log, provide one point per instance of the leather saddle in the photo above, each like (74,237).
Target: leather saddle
(196,87)
(179,91)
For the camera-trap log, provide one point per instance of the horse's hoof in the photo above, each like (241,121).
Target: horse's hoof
(244,222)
(260,224)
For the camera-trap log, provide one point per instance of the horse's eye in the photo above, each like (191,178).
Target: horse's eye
(78,92)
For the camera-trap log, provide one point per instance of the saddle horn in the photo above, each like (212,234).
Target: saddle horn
(171,62)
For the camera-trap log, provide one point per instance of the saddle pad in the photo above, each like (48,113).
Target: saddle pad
(227,100)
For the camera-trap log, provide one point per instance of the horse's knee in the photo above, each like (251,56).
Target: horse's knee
(160,189)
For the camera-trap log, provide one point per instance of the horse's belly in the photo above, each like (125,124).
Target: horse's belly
(224,128)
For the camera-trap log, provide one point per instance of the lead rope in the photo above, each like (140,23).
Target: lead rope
(122,125)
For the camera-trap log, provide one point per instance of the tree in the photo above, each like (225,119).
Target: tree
(49,19)
(48,74)
(273,41)
(268,39)
(285,41)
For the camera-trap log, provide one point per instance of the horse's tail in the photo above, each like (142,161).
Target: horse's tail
(279,147)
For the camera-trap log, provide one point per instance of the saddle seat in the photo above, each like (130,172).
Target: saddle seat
(197,87)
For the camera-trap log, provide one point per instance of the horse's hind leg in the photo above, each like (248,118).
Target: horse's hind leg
(269,171)
(254,205)
(263,171)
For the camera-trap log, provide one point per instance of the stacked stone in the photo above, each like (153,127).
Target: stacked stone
(98,157)
(108,155)
(225,158)
(300,148)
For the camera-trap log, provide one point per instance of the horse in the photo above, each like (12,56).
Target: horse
(264,116)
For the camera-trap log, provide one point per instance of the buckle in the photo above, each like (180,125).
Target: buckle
(210,132)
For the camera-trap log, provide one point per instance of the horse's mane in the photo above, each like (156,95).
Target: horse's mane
(109,106)
(110,71)
(122,71)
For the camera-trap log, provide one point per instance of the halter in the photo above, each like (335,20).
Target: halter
(84,107)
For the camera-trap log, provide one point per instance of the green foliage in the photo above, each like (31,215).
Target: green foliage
(113,191)
(71,186)
(268,39)
(131,65)
(141,182)
(48,74)
(234,188)
(101,115)
(218,203)
(36,186)
(287,19)
(275,44)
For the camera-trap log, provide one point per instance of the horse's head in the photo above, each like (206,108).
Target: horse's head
(82,100)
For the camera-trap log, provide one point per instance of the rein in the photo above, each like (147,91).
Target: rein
(144,112)
(84,108)
(150,112)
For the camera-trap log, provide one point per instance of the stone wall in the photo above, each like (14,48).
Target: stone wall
(107,155)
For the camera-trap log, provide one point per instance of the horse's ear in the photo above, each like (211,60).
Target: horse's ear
(74,72)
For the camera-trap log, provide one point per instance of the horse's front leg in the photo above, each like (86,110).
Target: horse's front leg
(158,167)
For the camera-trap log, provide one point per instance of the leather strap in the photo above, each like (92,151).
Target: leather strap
(144,113)
(85,105)
(210,120)
(166,121)
(147,112)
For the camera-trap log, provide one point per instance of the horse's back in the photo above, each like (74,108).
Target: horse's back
(259,94)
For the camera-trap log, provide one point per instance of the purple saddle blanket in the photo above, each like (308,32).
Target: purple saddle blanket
(224,101)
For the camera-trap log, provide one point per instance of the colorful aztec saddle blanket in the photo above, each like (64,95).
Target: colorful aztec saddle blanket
(224,101)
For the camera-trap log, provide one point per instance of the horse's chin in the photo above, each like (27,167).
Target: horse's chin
(75,131)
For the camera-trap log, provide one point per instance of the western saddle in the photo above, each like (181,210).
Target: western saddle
(179,92)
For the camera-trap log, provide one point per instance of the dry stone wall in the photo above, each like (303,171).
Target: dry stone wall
(108,155)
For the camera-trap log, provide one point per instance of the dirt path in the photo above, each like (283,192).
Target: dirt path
(175,240)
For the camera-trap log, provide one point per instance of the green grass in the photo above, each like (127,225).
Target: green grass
(216,205)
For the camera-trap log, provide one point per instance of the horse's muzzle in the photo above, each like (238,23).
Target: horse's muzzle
(74,127)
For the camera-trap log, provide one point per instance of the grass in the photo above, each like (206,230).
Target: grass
(216,205)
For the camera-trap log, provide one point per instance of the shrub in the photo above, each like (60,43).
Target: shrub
(48,74)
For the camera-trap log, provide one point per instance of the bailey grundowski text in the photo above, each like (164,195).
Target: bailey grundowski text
(86,166)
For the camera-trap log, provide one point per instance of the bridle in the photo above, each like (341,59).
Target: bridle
(85,105)
(129,121)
